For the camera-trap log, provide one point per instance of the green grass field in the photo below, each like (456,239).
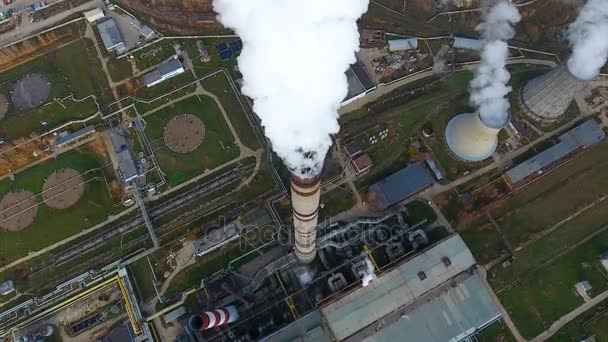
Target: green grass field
(335,202)
(418,211)
(52,225)
(154,54)
(72,70)
(202,68)
(218,145)
(143,278)
(218,85)
(119,69)
(497,332)
(594,322)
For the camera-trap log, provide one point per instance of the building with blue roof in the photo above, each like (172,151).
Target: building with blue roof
(401,185)
(583,136)
(164,71)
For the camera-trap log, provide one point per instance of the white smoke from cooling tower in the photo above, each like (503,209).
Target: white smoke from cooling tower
(293,61)
(489,86)
(369,273)
(588,36)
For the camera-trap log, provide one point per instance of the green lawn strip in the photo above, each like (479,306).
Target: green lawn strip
(218,145)
(218,84)
(119,69)
(497,332)
(336,201)
(54,114)
(543,297)
(52,225)
(143,278)
(593,322)
(418,211)
(145,59)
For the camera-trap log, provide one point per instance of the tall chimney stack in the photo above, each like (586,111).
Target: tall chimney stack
(470,138)
(547,97)
(305,195)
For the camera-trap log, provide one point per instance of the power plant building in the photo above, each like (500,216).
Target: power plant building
(583,136)
(400,185)
(470,138)
(547,97)
(110,35)
(437,295)
(359,83)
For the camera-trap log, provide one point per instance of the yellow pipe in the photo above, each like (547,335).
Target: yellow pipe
(134,323)
(369,253)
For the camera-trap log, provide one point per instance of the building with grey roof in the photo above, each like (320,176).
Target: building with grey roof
(79,134)
(467,44)
(435,296)
(582,136)
(359,83)
(403,44)
(215,239)
(306,329)
(401,185)
(126,167)
(110,35)
(164,71)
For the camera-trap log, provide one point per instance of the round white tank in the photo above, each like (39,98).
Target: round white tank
(470,139)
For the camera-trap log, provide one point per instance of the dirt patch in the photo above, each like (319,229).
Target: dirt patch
(63,189)
(99,148)
(3,106)
(31,91)
(17,210)
(184,133)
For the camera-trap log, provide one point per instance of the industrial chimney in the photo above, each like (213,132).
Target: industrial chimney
(547,97)
(470,138)
(305,195)
(215,318)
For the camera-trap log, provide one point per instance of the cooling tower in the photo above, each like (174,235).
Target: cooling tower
(215,318)
(547,97)
(305,195)
(470,139)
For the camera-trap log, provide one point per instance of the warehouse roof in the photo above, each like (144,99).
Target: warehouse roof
(126,164)
(109,34)
(587,134)
(403,44)
(454,313)
(397,288)
(467,43)
(401,185)
(305,329)
(72,136)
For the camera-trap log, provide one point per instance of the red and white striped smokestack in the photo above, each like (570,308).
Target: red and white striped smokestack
(305,195)
(215,318)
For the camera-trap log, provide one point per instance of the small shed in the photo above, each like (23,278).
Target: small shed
(362,163)
(94,15)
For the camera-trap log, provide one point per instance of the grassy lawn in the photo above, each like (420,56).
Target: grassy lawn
(52,225)
(144,278)
(542,204)
(418,211)
(202,68)
(547,294)
(154,54)
(73,69)
(594,322)
(218,145)
(218,84)
(119,69)
(336,201)
(497,332)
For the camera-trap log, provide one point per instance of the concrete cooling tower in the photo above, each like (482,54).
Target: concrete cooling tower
(547,97)
(470,139)
(305,196)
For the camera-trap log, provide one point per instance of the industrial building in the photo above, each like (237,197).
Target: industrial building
(110,35)
(94,15)
(362,163)
(400,185)
(405,44)
(467,44)
(359,83)
(67,138)
(470,138)
(215,239)
(164,71)
(125,165)
(546,98)
(581,137)
(436,295)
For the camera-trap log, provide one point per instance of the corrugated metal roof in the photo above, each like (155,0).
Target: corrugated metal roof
(431,163)
(78,133)
(397,288)
(109,34)
(454,314)
(403,44)
(169,67)
(467,43)
(586,134)
(305,329)
(402,184)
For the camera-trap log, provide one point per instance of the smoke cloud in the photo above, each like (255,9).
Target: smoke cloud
(369,274)
(588,36)
(489,86)
(293,61)
(441,59)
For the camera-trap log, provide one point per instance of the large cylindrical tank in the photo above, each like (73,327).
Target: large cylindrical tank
(215,318)
(305,196)
(547,97)
(470,139)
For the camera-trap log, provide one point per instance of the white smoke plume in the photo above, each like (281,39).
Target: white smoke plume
(441,59)
(489,86)
(588,35)
(293,61)
(369,272)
